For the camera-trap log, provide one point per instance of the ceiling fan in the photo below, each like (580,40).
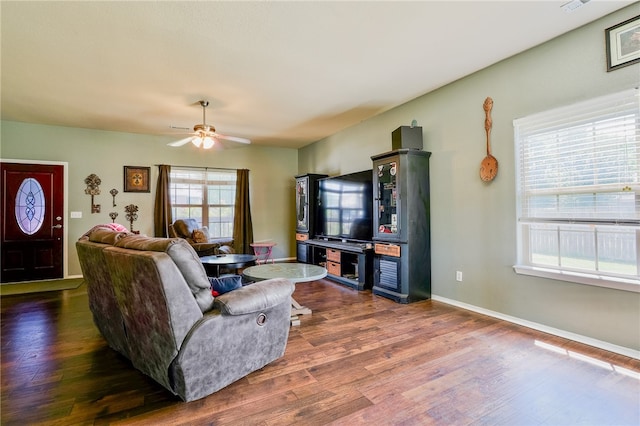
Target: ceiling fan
(205,135)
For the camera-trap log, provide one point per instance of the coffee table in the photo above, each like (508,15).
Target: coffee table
(296,272)
(212,264)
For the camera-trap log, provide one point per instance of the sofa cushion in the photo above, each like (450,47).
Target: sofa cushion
(107,236)
(185,258)
(185,227)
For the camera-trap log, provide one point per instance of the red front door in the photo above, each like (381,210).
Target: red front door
(31,228)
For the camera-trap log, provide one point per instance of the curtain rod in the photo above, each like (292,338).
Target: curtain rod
(197,167)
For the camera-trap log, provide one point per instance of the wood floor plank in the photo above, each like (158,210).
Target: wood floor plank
(359,359)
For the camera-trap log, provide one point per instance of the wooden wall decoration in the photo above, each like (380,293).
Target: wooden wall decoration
(489,165)
(136,179)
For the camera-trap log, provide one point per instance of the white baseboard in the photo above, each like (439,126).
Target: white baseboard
(546,329)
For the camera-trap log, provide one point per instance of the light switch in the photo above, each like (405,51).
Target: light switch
(76,215)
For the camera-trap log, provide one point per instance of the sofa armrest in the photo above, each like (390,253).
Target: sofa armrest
(255,297)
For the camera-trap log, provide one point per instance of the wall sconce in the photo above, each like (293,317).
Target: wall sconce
(93,182)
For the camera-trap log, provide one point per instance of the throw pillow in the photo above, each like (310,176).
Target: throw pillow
(224,284)
(199,236)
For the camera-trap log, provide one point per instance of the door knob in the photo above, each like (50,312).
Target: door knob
(58,226)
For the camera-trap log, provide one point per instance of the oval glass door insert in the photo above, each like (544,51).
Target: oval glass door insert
(30,206)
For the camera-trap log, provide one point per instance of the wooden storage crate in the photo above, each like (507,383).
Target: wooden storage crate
(333,268)
(333,255)
(387,249)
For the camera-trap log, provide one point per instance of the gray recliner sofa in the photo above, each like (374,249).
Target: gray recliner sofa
(151,300)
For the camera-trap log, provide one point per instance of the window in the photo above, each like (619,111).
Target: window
(578,183)
(30,206)
(207,195)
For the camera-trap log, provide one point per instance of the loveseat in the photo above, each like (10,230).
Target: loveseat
(151,300)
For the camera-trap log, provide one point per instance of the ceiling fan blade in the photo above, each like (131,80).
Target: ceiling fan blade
(232,138)
(181,142)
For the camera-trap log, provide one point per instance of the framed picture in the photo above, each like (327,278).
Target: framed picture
(623,44)
(136,179)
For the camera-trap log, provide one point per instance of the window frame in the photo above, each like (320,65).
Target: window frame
(567,119)
(201,187)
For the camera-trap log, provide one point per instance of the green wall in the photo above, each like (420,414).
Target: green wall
(272,172)
(473,226)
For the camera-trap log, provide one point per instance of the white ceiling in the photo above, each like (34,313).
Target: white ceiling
(280,73)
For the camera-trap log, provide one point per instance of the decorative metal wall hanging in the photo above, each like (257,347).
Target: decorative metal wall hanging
(113,193)
(93,188)
(132,215)
(113,216)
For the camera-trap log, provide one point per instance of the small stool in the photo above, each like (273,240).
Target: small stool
(263,251)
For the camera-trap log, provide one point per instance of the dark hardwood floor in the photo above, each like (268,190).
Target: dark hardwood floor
(359,359)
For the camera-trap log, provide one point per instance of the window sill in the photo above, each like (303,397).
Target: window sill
(575,277)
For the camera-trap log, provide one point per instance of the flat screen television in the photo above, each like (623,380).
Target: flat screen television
(345,205)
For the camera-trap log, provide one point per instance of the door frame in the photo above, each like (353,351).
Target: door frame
(65,205)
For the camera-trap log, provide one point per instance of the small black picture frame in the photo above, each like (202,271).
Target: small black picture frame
(623,44)
(136,179)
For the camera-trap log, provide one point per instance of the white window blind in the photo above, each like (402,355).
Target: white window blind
(207,195)
(578,177)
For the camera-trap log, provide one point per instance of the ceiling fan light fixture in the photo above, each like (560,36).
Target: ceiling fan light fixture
(205,134)
(208,142)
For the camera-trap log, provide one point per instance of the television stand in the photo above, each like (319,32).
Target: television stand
(349,262)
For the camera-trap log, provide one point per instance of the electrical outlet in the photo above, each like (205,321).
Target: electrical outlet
(458,275)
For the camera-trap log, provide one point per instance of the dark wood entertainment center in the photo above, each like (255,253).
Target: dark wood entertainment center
(307,217)
(401,226)
(349,263)
(396,262)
